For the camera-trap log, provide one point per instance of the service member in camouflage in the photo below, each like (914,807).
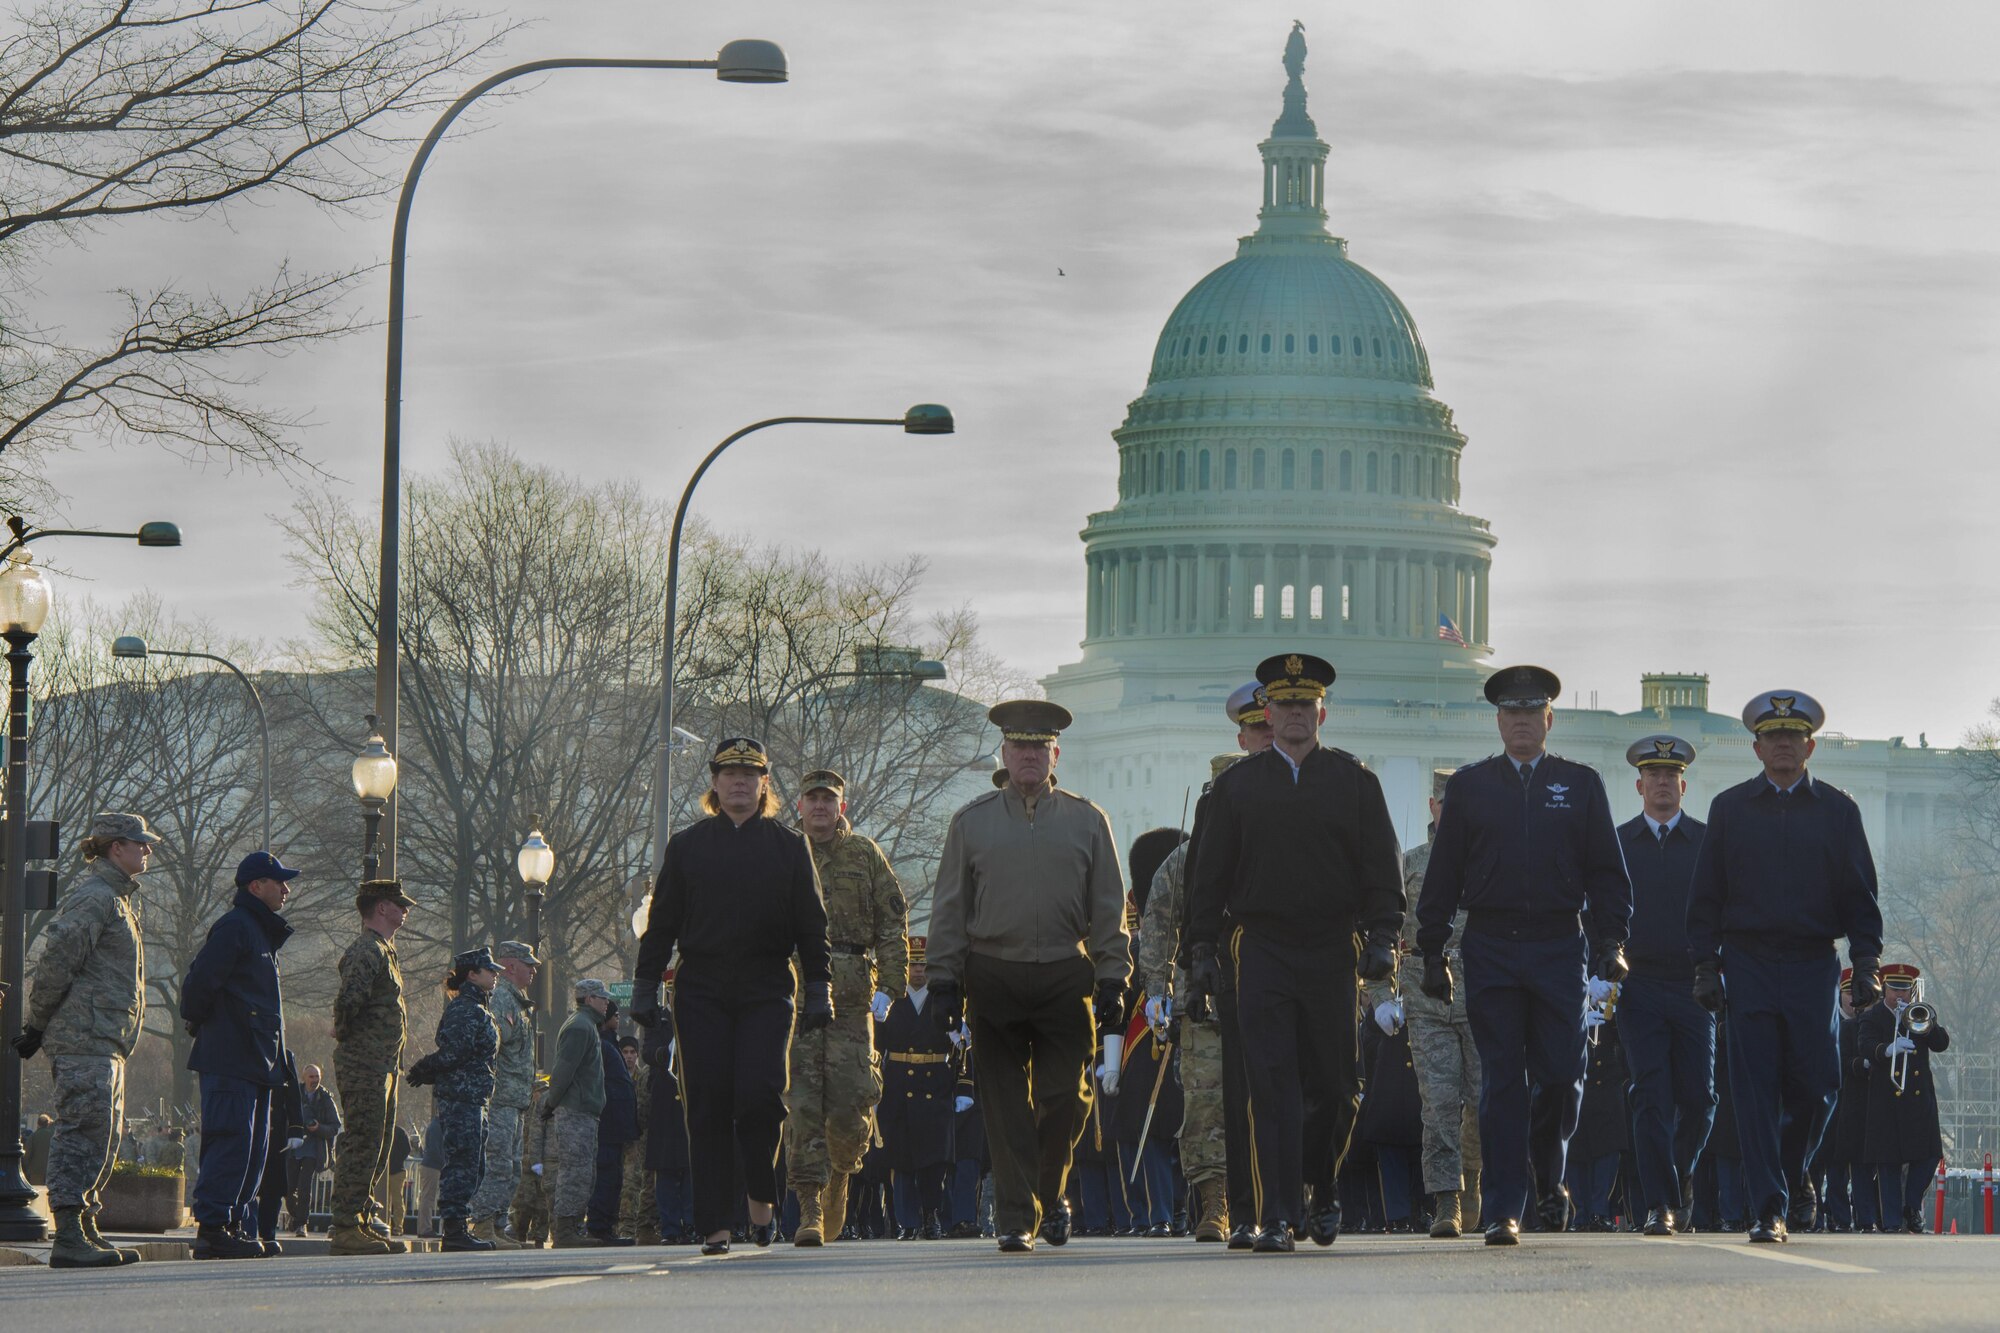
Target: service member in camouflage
(638,1197)
(370,1023)
(570,1110)
(836,1080)
(513,1009)
(1441,1048)
(461,1068)
(531,1195)
(86,1004)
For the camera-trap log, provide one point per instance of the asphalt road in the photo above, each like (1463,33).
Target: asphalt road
(1611,1284)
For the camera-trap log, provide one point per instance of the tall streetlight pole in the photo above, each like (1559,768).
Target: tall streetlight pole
(133,646)
(25,599)
(748,60)
(536,862)
(374,775)
(923,419)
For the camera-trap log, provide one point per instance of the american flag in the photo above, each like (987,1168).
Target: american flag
(1449,632)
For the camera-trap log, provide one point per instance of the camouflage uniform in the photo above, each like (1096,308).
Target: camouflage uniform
(531,1196)
(513,1087)
(836,1075)
(466,1044)
(1440,1047)
(369,1023)
(576,1089)
(88,999)
(638,1200)
(1204,1150)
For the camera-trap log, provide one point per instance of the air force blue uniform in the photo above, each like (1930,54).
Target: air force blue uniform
(1525,854)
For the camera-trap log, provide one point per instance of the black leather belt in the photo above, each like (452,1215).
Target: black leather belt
(853,950)
(1506,925)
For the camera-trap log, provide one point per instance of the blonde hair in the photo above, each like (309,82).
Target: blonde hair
(769,806)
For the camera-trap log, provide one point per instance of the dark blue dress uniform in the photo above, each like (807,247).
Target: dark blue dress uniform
(1781,876)
(919,1099)
(1902,1138)
(1525,854)
(1669,1039)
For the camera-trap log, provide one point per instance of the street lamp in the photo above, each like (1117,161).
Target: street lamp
(536,862)
(746,60)
(923,419)
(25,599)
(374,774)
(131,645)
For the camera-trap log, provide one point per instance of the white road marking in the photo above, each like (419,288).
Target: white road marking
(1779,1256)
(628,1268)
(543,1284)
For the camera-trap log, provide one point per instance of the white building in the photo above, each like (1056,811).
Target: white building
(1288,480)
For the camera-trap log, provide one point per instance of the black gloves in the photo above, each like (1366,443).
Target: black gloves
(548,1111)
(818,1012)
(1204,978)
(28,1043)
(1866,987)
(1610,965)
(1378,956)
(645,1018)
(948,1002)
(1437,978)
(1109,1002)
(1708,992)
(422,1072)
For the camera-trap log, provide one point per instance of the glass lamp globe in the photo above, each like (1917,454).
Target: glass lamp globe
(25,595)
(374,771)
(536,861)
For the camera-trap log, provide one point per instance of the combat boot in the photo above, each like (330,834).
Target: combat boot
(810,1235)
(649,1234)
(88,1221)
(1445,1220)
(570,1235)
(833,1208)
(72,1249)
(218,1242)
(458,1236)
(1214,1194)
(1471,1206)
(486,1229)
(351,1239)
(379,1228)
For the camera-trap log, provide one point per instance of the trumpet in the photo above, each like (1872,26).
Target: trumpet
(1916,1019)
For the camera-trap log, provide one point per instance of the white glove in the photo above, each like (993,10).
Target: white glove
(536,1168)
(961,1038)
(293,1145)
(1389,1016)
(1593,1018)
(1159,1011)
(1900,1044)
(963,1105)
(881,1006)
(1601,990)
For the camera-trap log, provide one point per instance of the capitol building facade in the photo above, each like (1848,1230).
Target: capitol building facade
(1289,481)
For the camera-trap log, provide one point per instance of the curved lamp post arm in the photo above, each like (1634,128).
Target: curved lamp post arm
(263,726)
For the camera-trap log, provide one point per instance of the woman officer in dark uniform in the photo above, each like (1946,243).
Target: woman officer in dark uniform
(739,895)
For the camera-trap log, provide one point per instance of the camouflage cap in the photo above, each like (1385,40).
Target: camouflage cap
(516,950)
(590,988)
(392,889)
(823,779)
(112,826)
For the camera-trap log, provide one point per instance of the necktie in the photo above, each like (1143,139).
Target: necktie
(1663,835)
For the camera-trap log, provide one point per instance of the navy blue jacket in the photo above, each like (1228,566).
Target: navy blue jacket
(230,996)
(1525,857)
(1658,946)
(1784,876)
(468,1042)
(618,1122)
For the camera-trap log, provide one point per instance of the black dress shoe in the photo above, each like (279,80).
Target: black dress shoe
(760,1235)
(1659,1222)
(906,1233)
(1553,1210)
(1324,1228)
(1016,1242)
(1055,1227)
(1800,1216)
(1158,1231)
(715,1247)
(1599,1222)
(1276,1239)
(1913,1222)
(1505,1232)
(1687,1198)
(1768,1230)
(1244,1237)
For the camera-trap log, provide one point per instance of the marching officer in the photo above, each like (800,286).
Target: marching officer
(835,1083)
(1299,850)
(1441,1051)
(1525,844)
(1028,932)
(739,895)
(1783,872)
(1902,1141)
(1669,1039)
(919,1099)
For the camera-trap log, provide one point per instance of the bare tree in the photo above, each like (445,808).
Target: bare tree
(116,109)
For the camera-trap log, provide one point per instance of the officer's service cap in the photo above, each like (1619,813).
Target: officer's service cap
(739,752)
(1246,705)
(474,960)
(1523,687)
(112,826)
(1295,676)
(380,889)
(518,951)
(1900,976)
(823,779)
(1221,761)
(1029,720)
(918,944)
(1783,710)
(590,988)
(1439,777)
(1659,751)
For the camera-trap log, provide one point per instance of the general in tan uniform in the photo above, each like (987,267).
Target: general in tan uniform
(836,1080)
(1029,920)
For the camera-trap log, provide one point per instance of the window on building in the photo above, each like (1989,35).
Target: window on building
(1242,342)
(1319,470)
(1264,343)
(1346,602)
(1160,471)
(1346,469)
(1288,343)
(1180,470)
(1374,473)
(1257,602)
(1286,607)
(1285,470)
(1201,471)
(1312,344)
(1378,348)
(1257,470)
(1201,348)
(1333,344)
(1186,343)
(1318,602)
(1395,474)
(1143,460)
(1229,470)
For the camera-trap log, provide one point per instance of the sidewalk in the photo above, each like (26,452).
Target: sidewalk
(170,1245)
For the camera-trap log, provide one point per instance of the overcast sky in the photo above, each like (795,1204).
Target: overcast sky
(1711,288)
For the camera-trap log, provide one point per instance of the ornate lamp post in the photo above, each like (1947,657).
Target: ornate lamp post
(536,862)
(374,774)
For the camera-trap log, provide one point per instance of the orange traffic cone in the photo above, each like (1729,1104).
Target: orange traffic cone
(1954,1226)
